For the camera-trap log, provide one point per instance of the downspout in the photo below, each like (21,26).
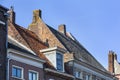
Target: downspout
(73,70)
(73,64)
(7,62)
(44,71)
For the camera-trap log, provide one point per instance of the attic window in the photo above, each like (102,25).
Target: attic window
(59,62)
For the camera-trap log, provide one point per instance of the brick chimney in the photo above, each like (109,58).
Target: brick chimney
(111,57)
(11,15)
(62,28)
(36,15)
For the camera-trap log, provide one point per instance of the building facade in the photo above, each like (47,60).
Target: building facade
(43,53)
(3,42)
(32,42)
(22,63)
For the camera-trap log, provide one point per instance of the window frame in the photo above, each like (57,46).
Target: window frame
(17,67)
(32,71)
(61,63)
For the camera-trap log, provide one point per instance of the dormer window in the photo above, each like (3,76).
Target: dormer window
(55,56)
(59,61)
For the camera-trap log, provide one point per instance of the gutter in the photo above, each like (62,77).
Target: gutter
(57,72)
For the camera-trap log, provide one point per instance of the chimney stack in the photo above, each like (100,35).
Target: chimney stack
(62,28)
(111,57)
(36,15)
(12,15)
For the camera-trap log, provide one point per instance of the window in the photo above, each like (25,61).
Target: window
(33,75)
(16,72)
(87,77)
(59,62)
(78,74)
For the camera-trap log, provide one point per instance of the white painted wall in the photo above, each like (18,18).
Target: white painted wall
(51,57)
(27,59)
(117,67)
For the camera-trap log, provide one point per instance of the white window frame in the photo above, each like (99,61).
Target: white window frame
(33,72)
(18,68)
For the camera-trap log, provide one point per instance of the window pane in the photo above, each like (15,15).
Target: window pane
(13,71)
(32,75)
(59,62)
(19,73)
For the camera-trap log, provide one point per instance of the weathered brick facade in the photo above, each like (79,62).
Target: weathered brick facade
(42,31)
(3,37)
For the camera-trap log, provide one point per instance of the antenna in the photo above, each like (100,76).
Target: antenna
(12,8)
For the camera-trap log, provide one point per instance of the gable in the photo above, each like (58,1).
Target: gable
(43,32)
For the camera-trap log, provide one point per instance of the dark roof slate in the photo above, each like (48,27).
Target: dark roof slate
(73,46)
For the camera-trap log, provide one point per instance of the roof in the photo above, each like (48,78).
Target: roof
(28,39)
(4,8)
(13,44)
(13,47)
(73,46)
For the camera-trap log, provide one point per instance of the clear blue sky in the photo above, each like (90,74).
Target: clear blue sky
(95,23)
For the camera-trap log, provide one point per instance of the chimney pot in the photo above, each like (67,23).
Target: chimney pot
(12,15)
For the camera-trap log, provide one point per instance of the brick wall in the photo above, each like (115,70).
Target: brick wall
(111,61)
(43,32)
(3,35)
(26,68)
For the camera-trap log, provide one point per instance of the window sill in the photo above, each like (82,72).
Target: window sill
(17,78)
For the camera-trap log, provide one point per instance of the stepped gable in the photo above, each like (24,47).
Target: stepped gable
(30,40)
(73,46)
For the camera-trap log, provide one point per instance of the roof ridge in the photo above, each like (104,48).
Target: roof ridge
(28,33)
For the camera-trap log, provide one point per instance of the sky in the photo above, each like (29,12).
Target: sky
(94,23)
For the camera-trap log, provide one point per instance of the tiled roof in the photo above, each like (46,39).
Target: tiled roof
(73,46)
(18,48)
(30,40)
